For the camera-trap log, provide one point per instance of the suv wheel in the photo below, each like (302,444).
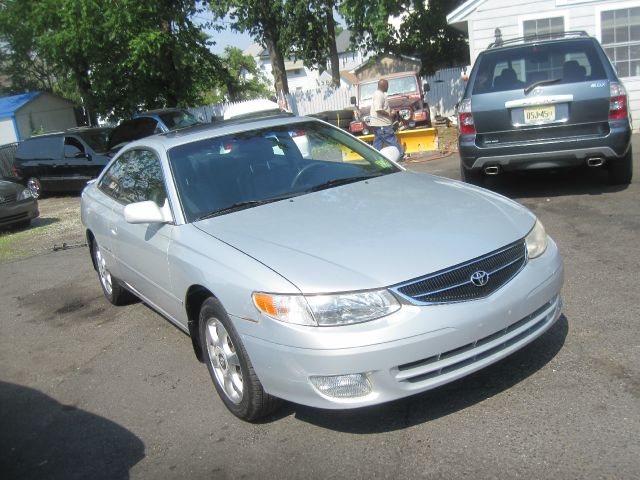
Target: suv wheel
(621,171)
(34,185)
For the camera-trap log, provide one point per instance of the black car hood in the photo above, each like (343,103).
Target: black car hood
(8,187)
(131,130)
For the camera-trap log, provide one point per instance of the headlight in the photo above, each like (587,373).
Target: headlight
(405,113)
(327,310)
(25,194)
(536,240)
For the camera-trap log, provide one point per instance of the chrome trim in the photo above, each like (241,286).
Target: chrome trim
(412,300)
(546,100)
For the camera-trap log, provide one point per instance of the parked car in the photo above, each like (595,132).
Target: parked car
(147,123)
(18,206)
(544,102)
(285,270)
(61,161)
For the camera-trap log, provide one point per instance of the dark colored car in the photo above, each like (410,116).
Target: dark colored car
(18,206)
(551,102)
(148,123)
(61,161)
(169,119)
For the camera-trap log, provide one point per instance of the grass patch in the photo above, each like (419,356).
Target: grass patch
(59,223)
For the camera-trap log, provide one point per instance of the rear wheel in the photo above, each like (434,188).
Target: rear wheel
(621,170)
(474,177)
(34,185)
(229,366)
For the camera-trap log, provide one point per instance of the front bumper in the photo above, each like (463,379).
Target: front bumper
(556,153)
(454,340)
(19,211)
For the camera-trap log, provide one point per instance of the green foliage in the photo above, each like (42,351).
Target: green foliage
(266,22)
(244,80)
(117,56)
(423,33)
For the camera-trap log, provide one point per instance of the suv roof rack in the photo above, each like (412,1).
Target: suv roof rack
(539,37)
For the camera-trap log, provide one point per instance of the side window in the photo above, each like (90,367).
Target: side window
(40,148)
(136,176)
(73,148)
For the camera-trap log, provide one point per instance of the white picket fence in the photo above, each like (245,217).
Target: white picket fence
(447,87)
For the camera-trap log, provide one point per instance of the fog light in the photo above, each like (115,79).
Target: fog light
(343,386)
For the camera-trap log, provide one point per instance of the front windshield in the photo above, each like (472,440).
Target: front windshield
(96,139)
(222,174)
(177,119)
(397,86)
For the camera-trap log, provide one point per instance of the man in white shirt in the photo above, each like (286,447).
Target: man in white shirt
(380,119)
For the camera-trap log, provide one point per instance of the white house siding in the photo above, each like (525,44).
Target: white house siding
(46,113)
(7,131)
(509,15)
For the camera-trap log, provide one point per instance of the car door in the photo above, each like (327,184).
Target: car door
(142,249)
(77,163)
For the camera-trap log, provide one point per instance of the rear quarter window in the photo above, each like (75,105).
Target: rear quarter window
(520,67)
(40,148)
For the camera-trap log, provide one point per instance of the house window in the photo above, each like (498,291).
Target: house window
(620,34)
(543,26)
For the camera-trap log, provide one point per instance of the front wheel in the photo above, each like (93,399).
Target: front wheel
(35,186)
(111,287)
(229,366)
(621,171)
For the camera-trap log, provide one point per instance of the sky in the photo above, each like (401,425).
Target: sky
(224,38)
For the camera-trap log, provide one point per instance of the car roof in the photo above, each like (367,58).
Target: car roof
(70,131)
(204,131)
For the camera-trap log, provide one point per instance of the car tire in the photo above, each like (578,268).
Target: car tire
(111,286)
(474,177)
(33,184)
(229,365)
(621,171)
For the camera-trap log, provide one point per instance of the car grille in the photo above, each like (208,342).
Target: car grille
(452,361)
(8,198)
(455,284)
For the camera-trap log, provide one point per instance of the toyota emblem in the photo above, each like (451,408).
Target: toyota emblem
(480,278)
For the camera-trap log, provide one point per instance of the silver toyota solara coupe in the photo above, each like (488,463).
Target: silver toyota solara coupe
(309,267)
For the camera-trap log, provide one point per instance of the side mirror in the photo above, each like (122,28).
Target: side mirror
(147,212)
(426,87)
(353,101)
(390,153)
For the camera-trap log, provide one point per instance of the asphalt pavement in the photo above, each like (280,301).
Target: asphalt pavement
(88,390)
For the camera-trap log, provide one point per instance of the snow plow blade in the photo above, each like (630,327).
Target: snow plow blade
(413,140)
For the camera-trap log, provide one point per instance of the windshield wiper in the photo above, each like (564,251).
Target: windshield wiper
(243,205)
(540,82)
(341,181)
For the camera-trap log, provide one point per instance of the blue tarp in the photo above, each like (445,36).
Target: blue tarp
(8,105)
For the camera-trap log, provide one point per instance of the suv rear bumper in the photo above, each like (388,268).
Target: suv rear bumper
(547,154)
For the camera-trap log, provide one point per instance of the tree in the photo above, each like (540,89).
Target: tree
(243,79)
(265,21)
(312,33)
(423,32)
(139,55)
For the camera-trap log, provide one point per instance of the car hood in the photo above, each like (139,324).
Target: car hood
(9,188)
(375,233)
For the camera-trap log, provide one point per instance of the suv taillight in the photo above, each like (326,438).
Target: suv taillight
(465,118)
(618,102)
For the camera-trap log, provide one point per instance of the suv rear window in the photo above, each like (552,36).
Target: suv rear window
(519,67)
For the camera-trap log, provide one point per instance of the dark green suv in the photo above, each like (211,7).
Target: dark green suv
(550,102)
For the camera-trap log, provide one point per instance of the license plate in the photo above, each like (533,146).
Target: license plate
(540,114)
